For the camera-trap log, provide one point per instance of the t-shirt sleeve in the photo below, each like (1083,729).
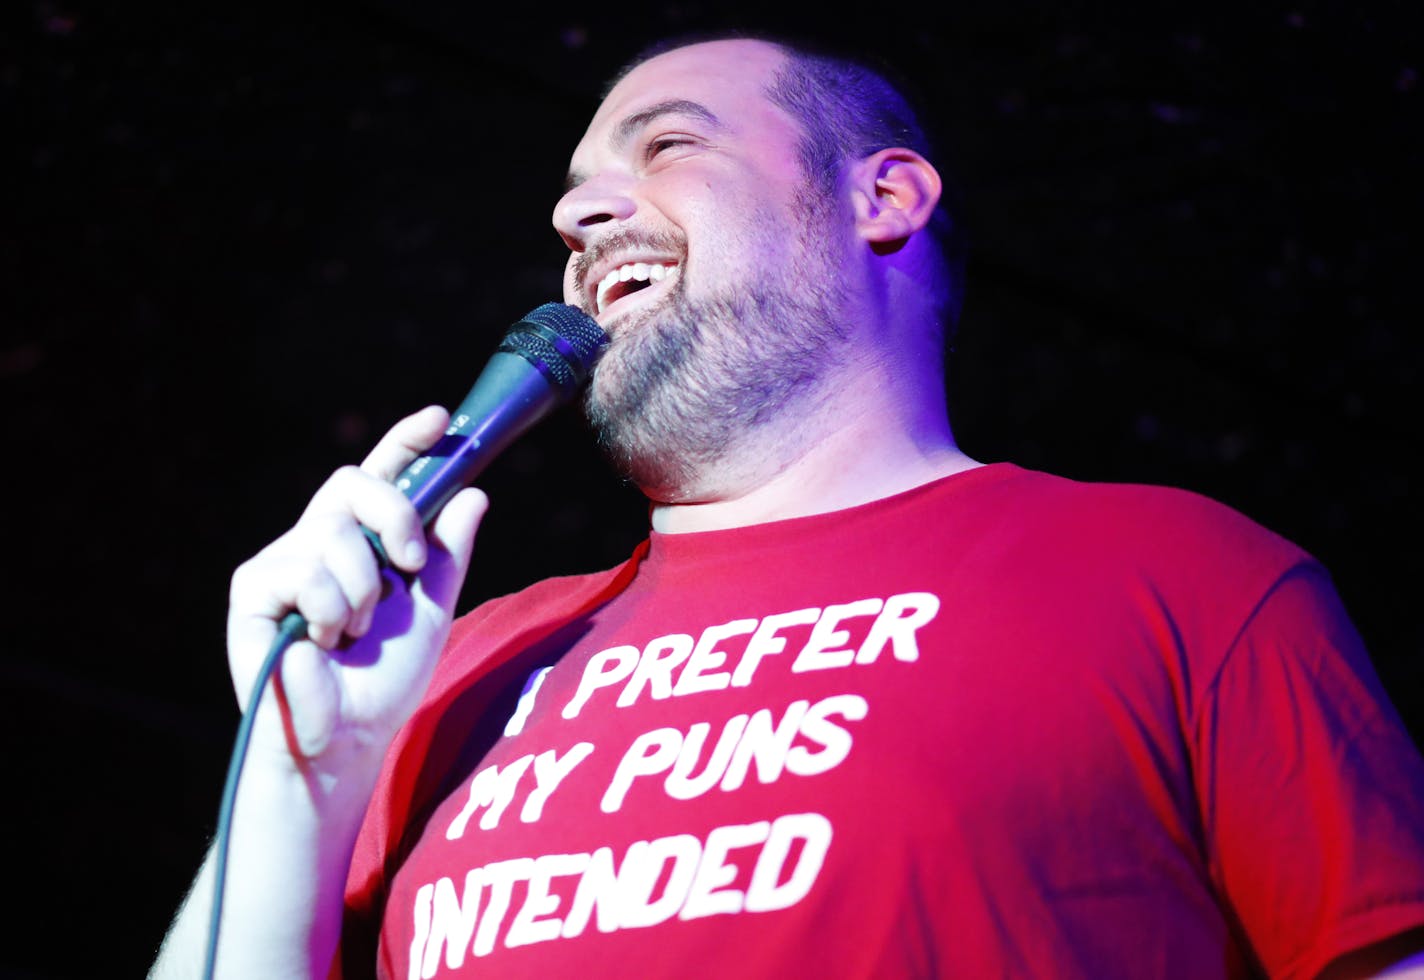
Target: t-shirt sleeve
(1312,790)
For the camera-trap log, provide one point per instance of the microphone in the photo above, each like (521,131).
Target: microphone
(542,362)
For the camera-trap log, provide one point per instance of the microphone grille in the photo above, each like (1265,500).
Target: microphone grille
(562,341)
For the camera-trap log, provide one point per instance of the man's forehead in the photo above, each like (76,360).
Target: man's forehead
(742,60)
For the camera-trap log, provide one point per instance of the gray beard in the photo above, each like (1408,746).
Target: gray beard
(683,385)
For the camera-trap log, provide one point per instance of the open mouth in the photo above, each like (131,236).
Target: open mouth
(627,279)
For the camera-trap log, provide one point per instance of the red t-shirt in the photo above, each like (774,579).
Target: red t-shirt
(1001,724)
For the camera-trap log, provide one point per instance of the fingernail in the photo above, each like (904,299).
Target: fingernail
(414,553)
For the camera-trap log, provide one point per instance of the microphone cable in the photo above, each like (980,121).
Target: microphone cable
(292,628)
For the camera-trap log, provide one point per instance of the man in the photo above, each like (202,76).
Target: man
(862,706)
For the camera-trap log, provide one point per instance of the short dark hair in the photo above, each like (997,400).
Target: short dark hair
(850,105)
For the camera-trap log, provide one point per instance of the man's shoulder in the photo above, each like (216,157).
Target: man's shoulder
(1138,522)
(1140,505)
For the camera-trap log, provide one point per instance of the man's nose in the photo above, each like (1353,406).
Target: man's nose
(590,204)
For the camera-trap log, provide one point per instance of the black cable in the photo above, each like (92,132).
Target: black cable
(292,628)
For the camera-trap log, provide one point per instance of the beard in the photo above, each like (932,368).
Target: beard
(687,382)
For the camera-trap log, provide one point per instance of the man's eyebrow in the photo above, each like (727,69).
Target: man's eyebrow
(629,126)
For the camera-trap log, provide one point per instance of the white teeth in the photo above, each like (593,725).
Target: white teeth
(641,271)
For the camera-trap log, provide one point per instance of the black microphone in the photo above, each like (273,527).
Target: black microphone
(542,362)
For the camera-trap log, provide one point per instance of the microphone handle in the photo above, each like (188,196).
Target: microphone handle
(508,397)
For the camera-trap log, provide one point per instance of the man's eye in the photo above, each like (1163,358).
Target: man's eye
(664,143)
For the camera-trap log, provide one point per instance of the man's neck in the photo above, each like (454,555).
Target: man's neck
(856,462)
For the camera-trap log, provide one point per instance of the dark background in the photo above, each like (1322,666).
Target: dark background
(237,244)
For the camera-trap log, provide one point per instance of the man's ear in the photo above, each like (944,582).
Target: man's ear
(895,192)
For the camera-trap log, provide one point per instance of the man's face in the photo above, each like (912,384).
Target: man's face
(698,245)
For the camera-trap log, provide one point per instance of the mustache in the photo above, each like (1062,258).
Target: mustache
(625,239)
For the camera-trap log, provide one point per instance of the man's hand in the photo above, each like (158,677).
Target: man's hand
(323,726)
(374,636)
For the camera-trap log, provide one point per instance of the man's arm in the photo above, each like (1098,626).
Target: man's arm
(1312,793)
(285,875)
(324,723)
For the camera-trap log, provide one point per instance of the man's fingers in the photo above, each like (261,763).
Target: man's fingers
(349,562)
(354,495)
(324,567)
(270,586)
(407,439)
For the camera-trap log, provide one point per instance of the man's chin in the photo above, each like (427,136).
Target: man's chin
(627,410)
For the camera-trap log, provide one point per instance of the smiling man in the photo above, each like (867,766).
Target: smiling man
(737,362)
(861,706)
